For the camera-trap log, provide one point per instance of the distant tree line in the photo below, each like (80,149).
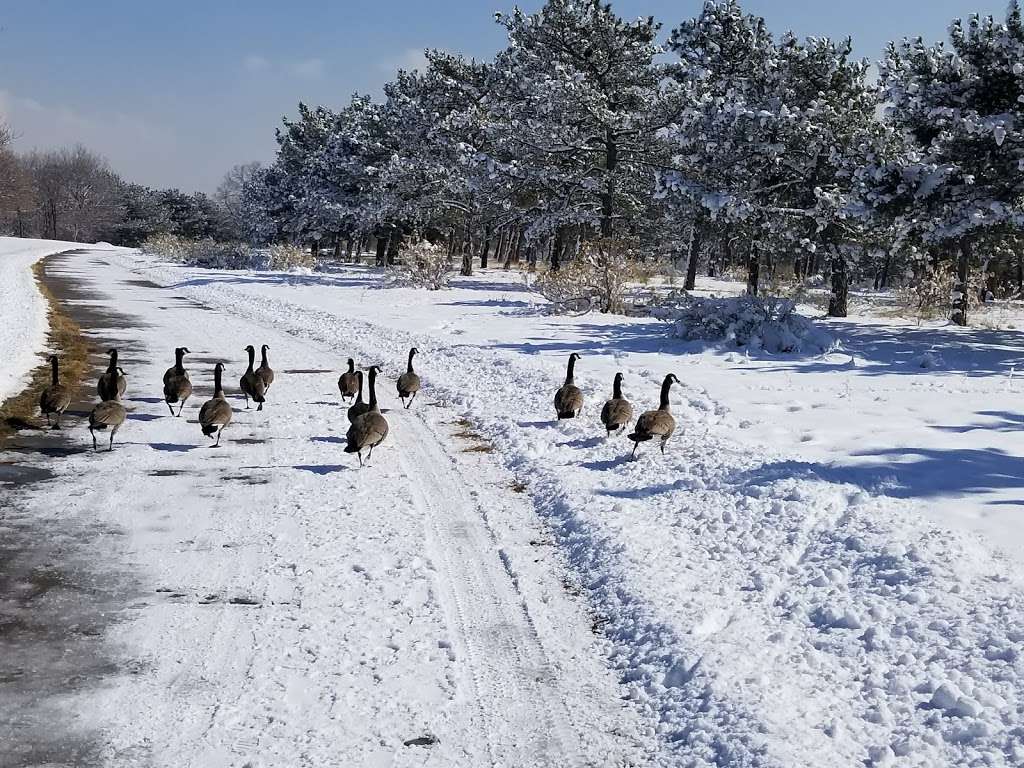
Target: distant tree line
(72,194)
(719,146)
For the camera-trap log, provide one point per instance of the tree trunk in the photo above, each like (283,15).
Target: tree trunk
(314,249)
(1020,273)
(753,270)
(886,268)
(696,243)
(467,255)
(394,246)
(838,301)
(517,252)
(338,241)
(611,162)
(382,249)
(556,250)
(486,251)
(961,295)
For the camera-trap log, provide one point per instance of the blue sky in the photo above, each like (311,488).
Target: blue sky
(176,93)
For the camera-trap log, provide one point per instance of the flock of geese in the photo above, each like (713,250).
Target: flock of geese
(367,426)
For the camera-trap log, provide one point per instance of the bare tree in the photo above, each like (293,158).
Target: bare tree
(77,194)
(230,192)
(16,201)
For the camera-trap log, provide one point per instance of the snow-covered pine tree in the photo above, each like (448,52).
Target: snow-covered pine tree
(766,134)
(573,116)
(961,111)
(433,183)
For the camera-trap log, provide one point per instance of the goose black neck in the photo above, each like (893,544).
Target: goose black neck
(570,372)
(252,357)
(54,376)
(412,353)
(263,357)
(665,387)
(179,355)
(373,388)
(351,365)
(218,390)
(617,387)
(359,378)
(112,368)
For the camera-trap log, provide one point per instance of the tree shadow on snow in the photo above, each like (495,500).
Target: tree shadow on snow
(329,439)
(884,350)
(1004,422)
(907,473)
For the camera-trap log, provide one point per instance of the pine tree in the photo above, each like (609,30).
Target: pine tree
(959,111)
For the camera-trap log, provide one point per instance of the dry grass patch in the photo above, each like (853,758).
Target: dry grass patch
(469,434)
(64,339)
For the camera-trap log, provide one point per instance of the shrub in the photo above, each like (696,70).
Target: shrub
(287,257)
(596,280)
(213,254)
(933,294)
(767,324)
(424,265)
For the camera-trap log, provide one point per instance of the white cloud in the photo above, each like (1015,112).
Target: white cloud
(409,59)
(254,63)
(310,68)
(135,146)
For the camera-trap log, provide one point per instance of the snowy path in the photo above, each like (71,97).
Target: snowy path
(293,610)
(758,610)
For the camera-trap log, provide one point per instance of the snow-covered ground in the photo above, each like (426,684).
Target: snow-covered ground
(822,571)
(22,308)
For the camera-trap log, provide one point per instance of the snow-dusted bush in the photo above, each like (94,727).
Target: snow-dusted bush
(931,295)
(596,280)
(287,257)
(170,247)
(213,254)
(424,265)
(767,324)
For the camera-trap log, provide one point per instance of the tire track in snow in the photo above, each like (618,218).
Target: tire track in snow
(507,663)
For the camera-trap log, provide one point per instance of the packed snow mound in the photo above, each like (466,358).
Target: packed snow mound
(769,325)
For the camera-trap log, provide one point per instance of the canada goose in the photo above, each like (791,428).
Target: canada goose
(369,429)
(55,398)
(109,414)
(216,413)
(265,372)
(177,384)
(656,424)
(409,382)
(251,384)
(112,384)
(359,407)
(348,382)
(617,412)
(569,399)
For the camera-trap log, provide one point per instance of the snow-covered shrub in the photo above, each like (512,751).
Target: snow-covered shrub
(170,247)
(424,265)
(214,254)
(287,257)
(767,324)
(932,294)
(596,280)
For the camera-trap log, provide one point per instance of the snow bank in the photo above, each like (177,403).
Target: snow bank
(771,325)
(23,322)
